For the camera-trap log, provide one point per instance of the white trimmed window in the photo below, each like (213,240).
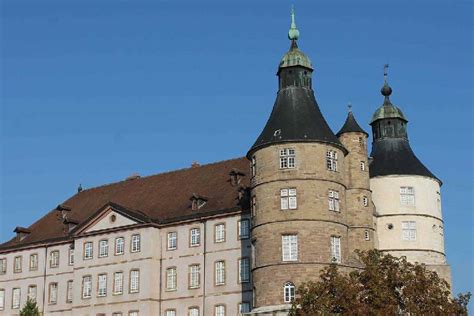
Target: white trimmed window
(118,283)
(2,299)
(16,298)
(71,256)
(288,199)
(288,292)
(171,279)
(103,248)
(3,265)
(331,160)
(409,230)
(287,158)
(219,310)
(244,270)
(136,243)
(253,166)
(134,281)
(244,307)
(53,293)
(133,313)
(333,200)
(172,240)
(17,264)
(362,166)
(194,276)
(219,272)
(407,196)
(69,291)
(117,314)
(365,201)
(336,249)
(119,246)
(244,228)
(33,262)
(195,237)
(88,250)
(32,292)
(86,286)
(102,285)
(170,312)
(193,311)
(289,246)
(54,259)
(219,233)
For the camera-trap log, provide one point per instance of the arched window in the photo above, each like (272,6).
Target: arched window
(288,292)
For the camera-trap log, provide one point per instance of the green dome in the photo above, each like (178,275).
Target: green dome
(295,57)
(388,110)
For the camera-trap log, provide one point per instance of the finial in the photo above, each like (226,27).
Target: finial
(293,33)
(349,107)
(79,188)
(386,90)
(385,72)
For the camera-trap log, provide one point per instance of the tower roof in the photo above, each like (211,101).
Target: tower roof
(351,125)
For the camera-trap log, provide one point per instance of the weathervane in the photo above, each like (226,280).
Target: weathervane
(385,72)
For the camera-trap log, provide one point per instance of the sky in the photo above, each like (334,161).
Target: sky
(93,91)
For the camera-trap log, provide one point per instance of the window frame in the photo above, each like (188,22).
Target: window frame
(223,237)
(173,284)
(170,312)
(289,292)
(334,201)
(99,288)
(137,289)
(86,246)
(197,236)
(3,266)
(292,252)
(105,248)
(28,291)
(241,271)
(336,251)
(54,257)
(219,277)
(407,196)
(114,285)
(409,232)
(331,160)
(134,245)
(17,268)
(35,267)
(15,306)
(83,287)
(287,158)
(2,299)
(216,313)
(69,291)
(71,257)
(50,292)
(288,197)
(116,246)
(195,308)
(169,240)
(191,276)
(241,236)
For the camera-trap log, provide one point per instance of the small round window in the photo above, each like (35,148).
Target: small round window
(113,218)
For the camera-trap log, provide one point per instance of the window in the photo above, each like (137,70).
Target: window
(438,201)
(117,314)
(362,142)
(32,292)
(244,228)
(71,256)
(133,313)
(16,297)
(118,283)
(54,259)
(219,233)
(194,237)
(253,249)
(17,264)
(333,199)
(136,245)
(172,240)
(365,201)
(2,299)
(288,199)
(103,248)
(253,206)
(253,166)
(102,285)
(69,291)
(3,265)
(171,277)
(86,286)
(336,249)
(219,272)
(244,270)
(407,196)
(34,262)
(331,160)
(194,276)
(219,310)
(366,235)
(88,250)
(193,311)
(134,281)
(289,247)
(362,166)
(288,292)
(119,246)
(170,312)
(244,307)
(287,158)
(53,293)
(409,230)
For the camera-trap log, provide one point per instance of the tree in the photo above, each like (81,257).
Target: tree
(30,308)
(385,286)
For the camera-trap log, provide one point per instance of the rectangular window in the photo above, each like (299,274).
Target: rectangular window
(134,281)
(365,201)
(289,247)
(172,240)
(244,270)
(287,158)
(244,307)
(3,265)
(331,160)
(33,262)
(333,199)
(2,299)
(136,243)
(170,312)
(253,166)
(193,311)
(219,233)
(409,230)
(194,237)
(53,293)
(171,279)
(117,314)
(366,235)
(407,196)
(88,250)
(54,259)
(86,286)
(119,246)
(118,283)
(244,228)
(288,199)
(219,272)
(32,292)
(194,276)
(71,256)
(17,264)
(103,248)
(102,285)
(69,291)
(253,206)
(253,249)
(362,166)
(219,310)
(133,313)
(336,249)
(16,297)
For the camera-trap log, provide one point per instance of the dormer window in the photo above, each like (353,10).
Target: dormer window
(287,158)
(21,232)
(197,202)
(70,223)
(236,177)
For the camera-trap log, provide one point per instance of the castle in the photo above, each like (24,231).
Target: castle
(237,236)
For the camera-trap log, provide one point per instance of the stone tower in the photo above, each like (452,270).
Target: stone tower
(406,194)
(298,190)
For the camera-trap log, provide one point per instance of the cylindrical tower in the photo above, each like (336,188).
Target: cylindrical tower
(406,194)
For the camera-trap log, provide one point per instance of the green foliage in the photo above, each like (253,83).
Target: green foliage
(30,309)
(386,286)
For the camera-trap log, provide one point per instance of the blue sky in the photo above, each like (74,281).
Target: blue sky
(93,91)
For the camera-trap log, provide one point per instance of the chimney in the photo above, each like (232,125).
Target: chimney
(21,232)
(133,176)
(195,164)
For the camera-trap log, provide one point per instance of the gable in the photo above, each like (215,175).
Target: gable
(109,219)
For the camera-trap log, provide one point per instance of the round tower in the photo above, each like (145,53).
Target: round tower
(407,196)
(298,190)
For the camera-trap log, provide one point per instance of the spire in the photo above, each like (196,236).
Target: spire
(293,33)
(350,125)
(386,89)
